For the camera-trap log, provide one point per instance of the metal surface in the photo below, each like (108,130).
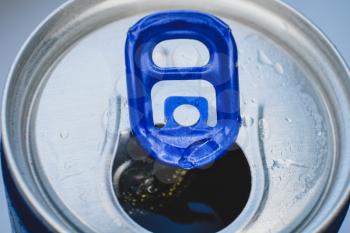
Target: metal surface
(69,92)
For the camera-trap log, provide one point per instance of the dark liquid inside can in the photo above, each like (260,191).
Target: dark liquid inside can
(162,198)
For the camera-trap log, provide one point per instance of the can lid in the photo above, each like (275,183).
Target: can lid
(185,146)
(66,109)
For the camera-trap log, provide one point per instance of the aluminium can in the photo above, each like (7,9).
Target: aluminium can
(65,116)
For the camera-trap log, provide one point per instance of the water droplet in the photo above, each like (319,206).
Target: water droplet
(288,120)
(83,197)
(275,164)
(279,68)
(263,58)
(264,130)
(247,121)
(64,134)
(252,100)
(125,103)
(284,26)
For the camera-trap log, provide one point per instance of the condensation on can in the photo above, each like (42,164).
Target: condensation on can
(65,108)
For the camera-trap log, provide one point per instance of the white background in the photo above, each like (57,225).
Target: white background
(19,17)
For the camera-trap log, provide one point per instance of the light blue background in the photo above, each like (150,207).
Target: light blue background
(18,18)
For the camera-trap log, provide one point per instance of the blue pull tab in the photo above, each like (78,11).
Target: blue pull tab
(198,145)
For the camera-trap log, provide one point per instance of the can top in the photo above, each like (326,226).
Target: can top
(66,105)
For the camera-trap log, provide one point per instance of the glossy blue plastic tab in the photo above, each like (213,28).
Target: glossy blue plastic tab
(200,144)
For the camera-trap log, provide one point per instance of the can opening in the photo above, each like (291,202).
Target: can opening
(161,198)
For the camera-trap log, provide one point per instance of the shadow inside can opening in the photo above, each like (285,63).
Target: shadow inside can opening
(161,198)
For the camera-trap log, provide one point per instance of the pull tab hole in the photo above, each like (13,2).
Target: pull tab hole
(180,53)
(186,115)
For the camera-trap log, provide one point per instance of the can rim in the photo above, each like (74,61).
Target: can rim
(54,223)
(327,41)
(21,186)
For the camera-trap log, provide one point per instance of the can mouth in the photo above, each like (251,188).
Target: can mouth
(162,198)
